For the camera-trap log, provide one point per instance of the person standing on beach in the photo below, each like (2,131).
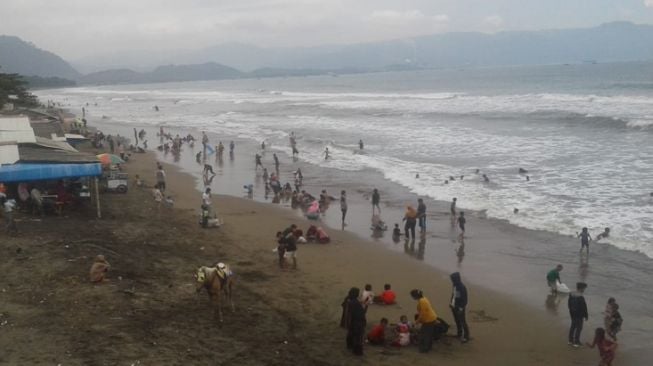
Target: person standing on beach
(578,313)
(376,199)
(161,178)
(276,162)
(232,146)
(206,199)
(205,140)
(326,153)
(453,212)
(607,348)
(458,305)
(343,206)
(461,224)
(421,215)
(257,161)
(411,219)
(585,239)
(135,137)
(291,248)
(426,317)
(354,321)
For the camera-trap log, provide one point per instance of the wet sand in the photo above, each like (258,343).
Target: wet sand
(507,329)
(498,256)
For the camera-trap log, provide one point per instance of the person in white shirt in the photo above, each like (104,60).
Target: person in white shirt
(367,297)
(206,199)
(10,224)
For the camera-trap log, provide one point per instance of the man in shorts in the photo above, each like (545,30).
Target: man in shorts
(291,249)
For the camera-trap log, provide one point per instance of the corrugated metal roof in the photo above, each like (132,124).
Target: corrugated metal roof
(16,128)
(62,145)
(8,153)
(47,128)
(35,154)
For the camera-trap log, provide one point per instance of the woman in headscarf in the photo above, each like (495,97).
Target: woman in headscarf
(411,221)
(353,318)
(426,318)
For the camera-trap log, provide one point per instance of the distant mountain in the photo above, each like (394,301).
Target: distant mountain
(618,41)
(20,57)
(168,73)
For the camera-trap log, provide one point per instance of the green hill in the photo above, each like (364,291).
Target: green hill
(20,57)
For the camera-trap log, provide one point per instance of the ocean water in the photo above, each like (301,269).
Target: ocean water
(583,132)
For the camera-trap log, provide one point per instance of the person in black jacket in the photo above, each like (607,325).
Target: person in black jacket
(354,321)
(458,304)
(578,312)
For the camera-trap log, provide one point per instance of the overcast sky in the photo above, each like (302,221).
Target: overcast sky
(77,28)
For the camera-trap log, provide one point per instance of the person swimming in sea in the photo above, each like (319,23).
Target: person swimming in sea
(604,234)
(360,144)
(486,179)
(326,154)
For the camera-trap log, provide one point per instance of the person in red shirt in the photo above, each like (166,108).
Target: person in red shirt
(377,334)
(387,297)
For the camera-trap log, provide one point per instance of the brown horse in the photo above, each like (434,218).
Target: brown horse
(217,282)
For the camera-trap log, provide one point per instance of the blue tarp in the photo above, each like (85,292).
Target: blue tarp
(22,172)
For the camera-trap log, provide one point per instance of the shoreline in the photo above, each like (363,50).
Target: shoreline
(523,255)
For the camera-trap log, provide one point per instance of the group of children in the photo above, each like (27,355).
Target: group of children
(401,334)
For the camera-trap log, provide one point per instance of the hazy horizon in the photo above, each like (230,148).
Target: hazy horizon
(78,29)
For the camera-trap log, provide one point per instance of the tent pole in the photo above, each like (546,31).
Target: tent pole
(97,198)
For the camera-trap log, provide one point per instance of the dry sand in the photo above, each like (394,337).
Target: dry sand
(149,313)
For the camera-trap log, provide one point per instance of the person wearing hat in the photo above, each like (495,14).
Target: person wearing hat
(578,312)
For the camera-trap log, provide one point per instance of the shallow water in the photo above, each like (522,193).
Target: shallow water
(583,133)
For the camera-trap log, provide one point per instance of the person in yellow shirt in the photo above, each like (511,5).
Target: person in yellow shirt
(426,317)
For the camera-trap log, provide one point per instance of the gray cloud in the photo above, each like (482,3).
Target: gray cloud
(77,28)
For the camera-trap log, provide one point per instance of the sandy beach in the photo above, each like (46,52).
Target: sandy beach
(149,313)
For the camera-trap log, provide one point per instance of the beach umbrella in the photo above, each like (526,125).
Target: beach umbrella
(109,159)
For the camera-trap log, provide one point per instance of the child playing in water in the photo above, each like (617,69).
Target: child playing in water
(585,239)
(377,335)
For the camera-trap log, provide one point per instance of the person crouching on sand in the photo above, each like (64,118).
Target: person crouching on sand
(426,317)
(99,268)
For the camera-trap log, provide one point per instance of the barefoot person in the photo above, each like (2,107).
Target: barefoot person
(553,278)
(421,215)
(453,212)
(585,239)
(376,199)
(343,206)
(461,224)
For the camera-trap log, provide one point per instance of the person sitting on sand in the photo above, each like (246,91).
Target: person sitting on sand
(99,268)
(321,236)
(604,234)
(396,232)
(403,330)
(378,224)
(387,297)
(158,196)
(377,335)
